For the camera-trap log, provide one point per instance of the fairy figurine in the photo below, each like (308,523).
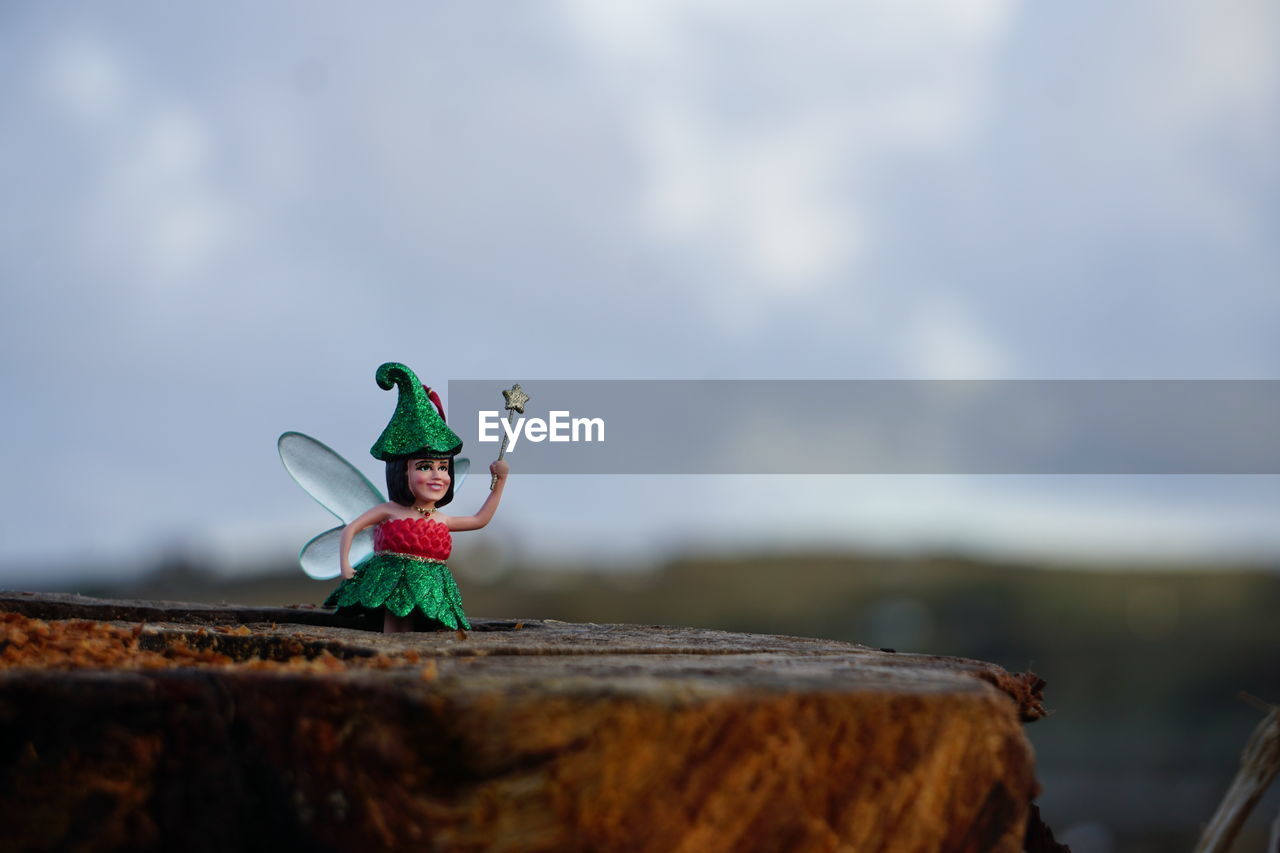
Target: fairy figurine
(405,575)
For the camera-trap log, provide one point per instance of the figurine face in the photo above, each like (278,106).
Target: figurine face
(428,479)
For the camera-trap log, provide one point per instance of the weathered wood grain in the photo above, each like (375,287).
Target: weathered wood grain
(249,728)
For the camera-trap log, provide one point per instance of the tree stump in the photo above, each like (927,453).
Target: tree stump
(157,725)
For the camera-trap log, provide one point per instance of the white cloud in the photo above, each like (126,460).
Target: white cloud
(154,211)
(762,199)
(757,123)
(944,341)
(159,216)
(1227,55)
(1224,97)
(85,79)
(174,144)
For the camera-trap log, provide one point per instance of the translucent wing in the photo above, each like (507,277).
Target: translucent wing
(319,557)
(461,465)
(331,480)
(338,487)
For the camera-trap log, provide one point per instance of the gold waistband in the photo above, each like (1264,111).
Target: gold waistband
(417,557)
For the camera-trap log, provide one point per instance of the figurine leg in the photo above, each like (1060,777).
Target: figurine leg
(393,624)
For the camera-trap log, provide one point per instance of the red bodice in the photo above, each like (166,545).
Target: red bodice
(418,537)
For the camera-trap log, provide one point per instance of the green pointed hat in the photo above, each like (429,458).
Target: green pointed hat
(417,428)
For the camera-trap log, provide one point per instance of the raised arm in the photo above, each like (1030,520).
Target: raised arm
(377,515)
(499,469)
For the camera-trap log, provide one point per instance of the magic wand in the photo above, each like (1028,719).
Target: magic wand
(516,400)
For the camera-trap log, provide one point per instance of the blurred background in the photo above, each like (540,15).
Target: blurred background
(218,221)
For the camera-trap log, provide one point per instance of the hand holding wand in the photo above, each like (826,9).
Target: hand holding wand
(515,401)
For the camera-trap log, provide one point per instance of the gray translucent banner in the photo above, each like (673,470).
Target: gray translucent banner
(879,427)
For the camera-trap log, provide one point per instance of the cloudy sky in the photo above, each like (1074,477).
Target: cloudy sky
(218,220)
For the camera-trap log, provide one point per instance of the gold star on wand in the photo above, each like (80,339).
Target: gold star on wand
(515,400)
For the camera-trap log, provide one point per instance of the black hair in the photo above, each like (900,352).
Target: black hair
(398,480)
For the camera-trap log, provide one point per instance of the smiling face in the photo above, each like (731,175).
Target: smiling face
(428,480)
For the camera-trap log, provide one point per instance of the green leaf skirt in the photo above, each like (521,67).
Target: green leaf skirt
(403,585)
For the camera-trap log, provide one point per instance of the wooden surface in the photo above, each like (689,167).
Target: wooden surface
(153,724)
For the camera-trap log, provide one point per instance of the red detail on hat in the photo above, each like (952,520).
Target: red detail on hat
(435,398)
